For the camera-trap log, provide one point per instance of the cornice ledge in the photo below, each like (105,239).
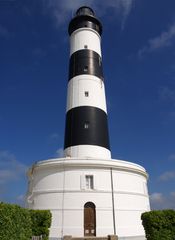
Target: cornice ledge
(91,162)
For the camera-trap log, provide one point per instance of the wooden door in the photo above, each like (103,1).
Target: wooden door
(89,219)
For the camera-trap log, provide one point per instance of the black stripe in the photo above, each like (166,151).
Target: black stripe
(85,61)
(85,21)
(76,133)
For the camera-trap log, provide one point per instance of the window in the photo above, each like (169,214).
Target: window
(89,182)
(86,125)
(97,28)
(85,68)
(86,94)
(85,46)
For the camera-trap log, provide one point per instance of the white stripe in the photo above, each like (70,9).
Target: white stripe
(81,86)
(85,37)
(89,151)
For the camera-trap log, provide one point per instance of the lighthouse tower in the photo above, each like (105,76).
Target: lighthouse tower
(88,193)
(86,132)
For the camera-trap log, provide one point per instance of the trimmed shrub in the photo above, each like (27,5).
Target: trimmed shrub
(18,223)
(159,224)
(41,221)
(15,222)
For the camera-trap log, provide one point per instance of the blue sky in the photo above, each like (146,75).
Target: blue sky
(138,45)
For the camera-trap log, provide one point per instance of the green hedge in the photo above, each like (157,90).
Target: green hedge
(159,225)
(41,221)
(17,223)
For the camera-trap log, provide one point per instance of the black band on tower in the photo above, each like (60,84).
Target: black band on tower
(86,125)
(85,61)
(83,21)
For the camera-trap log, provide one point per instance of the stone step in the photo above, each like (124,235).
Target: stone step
(110,237)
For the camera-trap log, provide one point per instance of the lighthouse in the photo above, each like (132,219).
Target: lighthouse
(86,133)
(88,193)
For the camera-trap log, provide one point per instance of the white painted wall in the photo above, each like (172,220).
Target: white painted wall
(88,151)
(58,185)
(77,87)
(85,36)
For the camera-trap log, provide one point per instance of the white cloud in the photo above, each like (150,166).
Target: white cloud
(172,157)
(20,200)
(10,168)
(167,176)
(59,153)
(6,175)
(21,197)
(167,93)
(165,39)
(54,136)
(126,6)
(63,10)
(172,194)
(161,201)
(156,197)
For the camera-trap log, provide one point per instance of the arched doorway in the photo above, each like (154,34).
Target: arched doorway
(89,219)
